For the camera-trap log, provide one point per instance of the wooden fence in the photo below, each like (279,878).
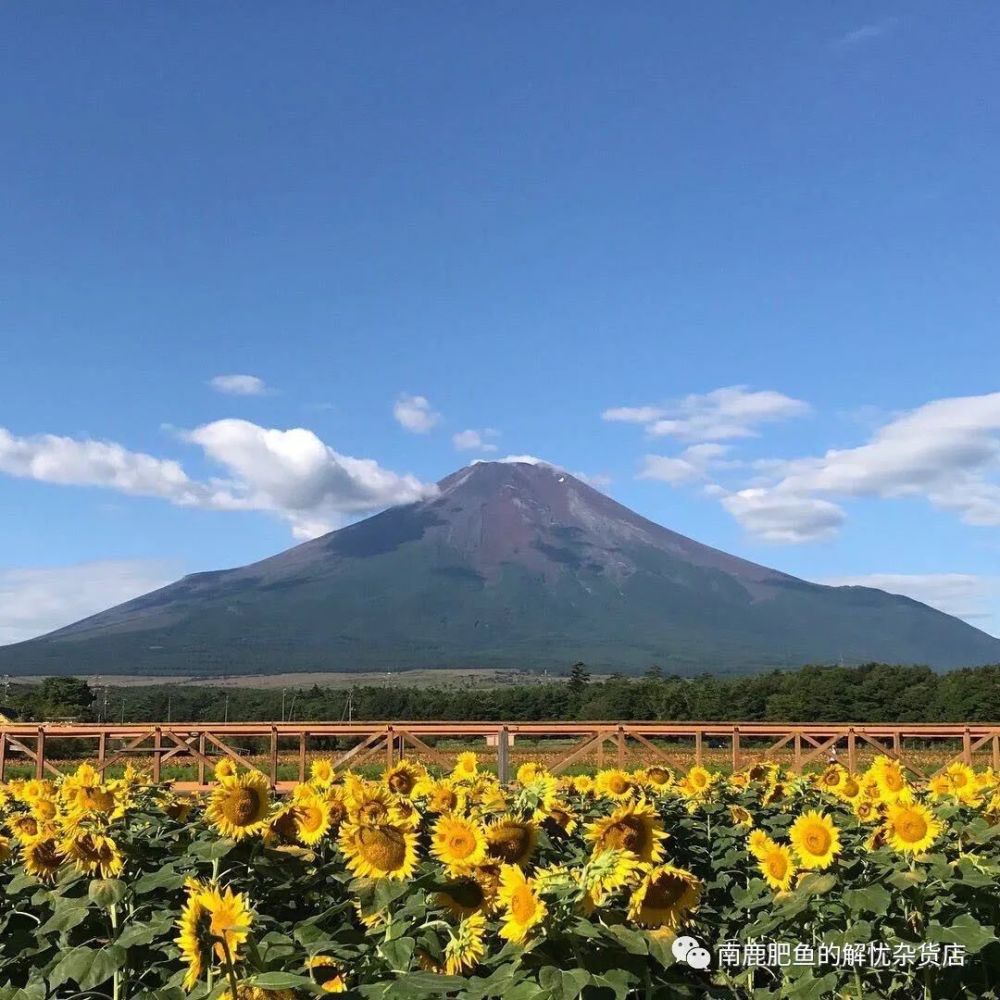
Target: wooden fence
(202,745)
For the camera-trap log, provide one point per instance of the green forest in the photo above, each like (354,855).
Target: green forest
(874,692)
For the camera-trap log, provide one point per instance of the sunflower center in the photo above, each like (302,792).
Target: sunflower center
(523,904)
(382,847)
(461,843)
(911,827)
(619,784)
(629,834)
(311,818)
(401,784)
(242,806)
(466,893)
(817,840)
(894,780)
(372,812)
(657,775)
(46,855)
(510,842)
(666,891)
(777,865)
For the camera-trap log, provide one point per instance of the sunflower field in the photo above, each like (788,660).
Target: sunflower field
(651,884)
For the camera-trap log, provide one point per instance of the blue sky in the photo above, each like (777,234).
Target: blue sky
(739,267)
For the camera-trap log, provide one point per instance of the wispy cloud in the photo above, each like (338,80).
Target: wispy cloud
(475,440)
(239,385)
(36,600)
(865,34)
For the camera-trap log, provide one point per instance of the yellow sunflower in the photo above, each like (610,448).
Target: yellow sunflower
(911,828)
(634,827)
(939,786)
(383,851)
(615,784)
(816,840)
(327,973)
(459,844)
(741,816)
(758,843)
(312,819)
(606,873)
(664,897)
(510,840)
(240,806)
(403,778)
(583,784)
(5,850)
(42,858)
(462,896)
(657,777)
(212,921)
(225,770)
(466,766)
(699,780)
(368,804)
(528,772)
(321,772)
(778,867)
(563,819)
(889,778)
(525,909)
(93,854)
(466,945)
(441,796)
(866,810)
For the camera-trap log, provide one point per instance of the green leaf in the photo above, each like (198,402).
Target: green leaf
(284,981)
(165,878)
(398,953)
(964,930)
(871,899)
(211,850)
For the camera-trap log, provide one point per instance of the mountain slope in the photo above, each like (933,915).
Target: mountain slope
(512,565)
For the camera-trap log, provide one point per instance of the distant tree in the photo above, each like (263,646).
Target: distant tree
(654,673)
(579,677)
(64,697)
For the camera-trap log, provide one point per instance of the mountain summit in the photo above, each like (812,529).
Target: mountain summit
(510,564)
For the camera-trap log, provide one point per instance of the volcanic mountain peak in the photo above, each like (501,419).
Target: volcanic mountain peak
(508,564)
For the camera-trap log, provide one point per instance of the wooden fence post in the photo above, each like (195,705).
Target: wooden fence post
(697,748)
(201,759)
(40,754)
(503,755)
(157,750)
(274,756)
(852,751)
(736,748)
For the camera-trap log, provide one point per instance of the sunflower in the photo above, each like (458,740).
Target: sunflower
(312,820)
(26,827)
(281,827)
(778,867)
(561,819)
(84,794)
(441,796)
(93,854)
(606,873)
(402,779)
(960,775)
(246,991)
(583,784)
(458,843)
(327,973)
(42,858)
(466,766)
(465,946)
(368,805)
(849,789)
(656,777)
(212,920)
(383,851)
(664,897)
(225,770)
(866,810)
(239,807)
(179,809)
(816,840)
(911,828)
(634,827)
(698,780)
(510,840)
(5,849)
(739,781)
(741,816)
(759,843)
(525,909)
(322,772)
(939,786)
(614,784)
(832,778)
(462,896)
(889,778)
(528,772)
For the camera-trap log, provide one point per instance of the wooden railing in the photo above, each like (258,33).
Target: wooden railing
(281,746)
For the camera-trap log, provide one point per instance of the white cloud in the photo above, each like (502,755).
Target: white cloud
(473,440)
(239,385)
(965,595)
(690,466)
(414,414)
(290,473)
(776,517)
(946,451)
(730,412)
(34,601)
(71,462)
(866,33)
(298,476)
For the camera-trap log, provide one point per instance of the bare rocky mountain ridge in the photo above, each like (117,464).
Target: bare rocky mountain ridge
(508,565)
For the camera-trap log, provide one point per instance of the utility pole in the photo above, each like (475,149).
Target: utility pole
(284,691)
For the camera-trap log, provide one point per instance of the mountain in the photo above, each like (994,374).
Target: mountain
(509,565)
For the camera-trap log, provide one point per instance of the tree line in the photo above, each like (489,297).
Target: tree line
(873,692)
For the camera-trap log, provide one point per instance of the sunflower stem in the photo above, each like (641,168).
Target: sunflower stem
(230,971)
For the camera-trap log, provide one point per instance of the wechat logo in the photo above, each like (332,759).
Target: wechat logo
(688,949)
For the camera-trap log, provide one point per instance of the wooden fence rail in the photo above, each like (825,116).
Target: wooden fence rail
(202,745)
